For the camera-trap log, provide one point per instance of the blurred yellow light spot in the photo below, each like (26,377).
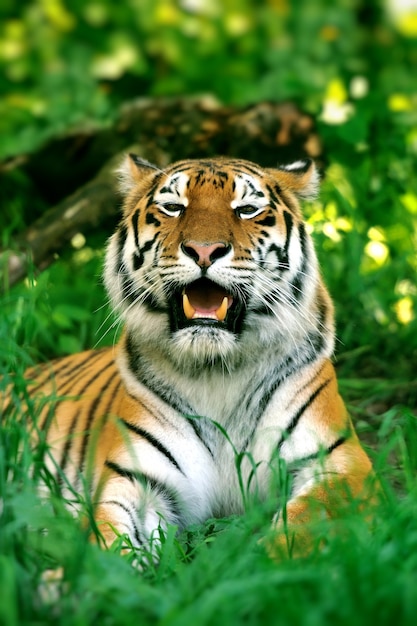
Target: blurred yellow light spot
(317,214)
(331,211)
(78,241)
(58,15)
(405,288)
(13,41)
(11,49)
(404,310)
(237,24)
(359,87)
(84,255)
(167,14)
(403,14)
(377,251)
(336,91)
(399,102)
(409,201)
(336,109)
(330,231)
(407,24)
(344,224)
(376,234)
(113,66)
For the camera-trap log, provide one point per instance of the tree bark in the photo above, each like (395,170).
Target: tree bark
(76,173)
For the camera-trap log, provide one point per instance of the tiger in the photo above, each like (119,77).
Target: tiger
(226,352)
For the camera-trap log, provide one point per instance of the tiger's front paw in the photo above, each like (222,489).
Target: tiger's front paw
(294,542)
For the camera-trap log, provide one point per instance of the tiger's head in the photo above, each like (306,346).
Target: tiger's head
(212,260)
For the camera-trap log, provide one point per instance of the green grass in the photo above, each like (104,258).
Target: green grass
(218,572)
(209,574)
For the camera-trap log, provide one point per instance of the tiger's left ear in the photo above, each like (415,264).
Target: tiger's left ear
(300,177)
(132,171)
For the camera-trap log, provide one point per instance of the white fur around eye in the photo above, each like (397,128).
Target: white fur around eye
(249,214)
(171,209)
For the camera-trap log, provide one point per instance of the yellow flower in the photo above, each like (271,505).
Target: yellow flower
(399,102)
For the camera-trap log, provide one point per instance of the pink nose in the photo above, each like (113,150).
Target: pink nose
(205,254)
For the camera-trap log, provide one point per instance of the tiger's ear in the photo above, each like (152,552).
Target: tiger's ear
(132,171)
(300,177)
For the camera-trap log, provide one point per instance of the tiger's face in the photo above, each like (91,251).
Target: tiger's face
(212,256)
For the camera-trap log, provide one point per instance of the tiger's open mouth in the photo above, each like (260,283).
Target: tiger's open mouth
(204,302)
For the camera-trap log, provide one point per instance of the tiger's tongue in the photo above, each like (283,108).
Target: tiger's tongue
(201,301)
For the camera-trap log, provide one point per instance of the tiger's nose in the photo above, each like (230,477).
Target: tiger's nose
(205,254)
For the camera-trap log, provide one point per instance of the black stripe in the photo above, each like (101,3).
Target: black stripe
(309,383)
(296,418)
(153,441)
(44,372)
(130,515)
(151,191)
(243,167)
(105,415)
(68,444)
(148,244)
(66,368)
(286,368)
(268,220)
(298,280)
(66,386)
(271,387)
(124,473)
(288,224)
(339,442)
(193,421)
(163,391)
(135,220)
(168,493)
(92,412)
(151,219)
(274,194)
(294,466)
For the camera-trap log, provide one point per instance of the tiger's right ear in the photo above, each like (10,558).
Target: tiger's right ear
(132,171)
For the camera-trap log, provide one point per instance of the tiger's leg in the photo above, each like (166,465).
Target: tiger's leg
(329,496)
(136,506)
(334,471)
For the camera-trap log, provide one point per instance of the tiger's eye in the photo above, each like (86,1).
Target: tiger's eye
(247,211)
(172,210)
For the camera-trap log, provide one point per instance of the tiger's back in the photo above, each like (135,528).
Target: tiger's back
(226,351)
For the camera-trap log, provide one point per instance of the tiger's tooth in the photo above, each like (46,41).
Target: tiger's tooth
(188,309)
(222,310)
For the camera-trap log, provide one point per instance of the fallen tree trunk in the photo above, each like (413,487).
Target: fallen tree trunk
(76,173)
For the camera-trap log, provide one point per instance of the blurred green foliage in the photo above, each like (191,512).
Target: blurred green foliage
(351,63)
(64,63)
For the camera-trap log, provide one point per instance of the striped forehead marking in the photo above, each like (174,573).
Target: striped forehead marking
(174,190)
(248,191)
